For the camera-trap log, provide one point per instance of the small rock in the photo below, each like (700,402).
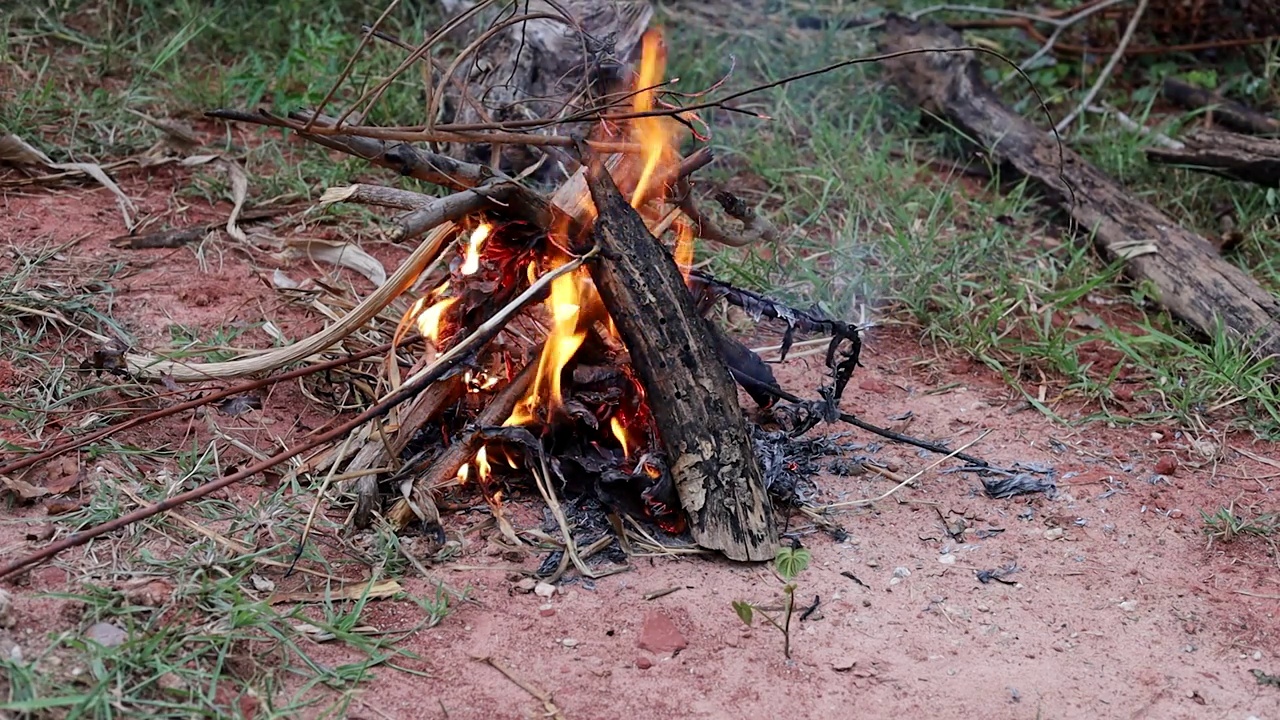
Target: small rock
(106,634)
(660,635)
(1053,533)
(873,385)
(544,590)
(947,559)
(644,663)
(901,572)
(983,608)
(526,585)
(1129,605)
(1175,513)
(569,642)
(843,664)
(1257,654)
(873,564)
(1167,465)
(546,610)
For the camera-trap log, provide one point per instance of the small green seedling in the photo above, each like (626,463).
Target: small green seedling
(789,562)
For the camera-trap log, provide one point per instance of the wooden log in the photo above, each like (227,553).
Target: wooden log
(1194,282)
(1231,155)
(1227,113)
(690,391)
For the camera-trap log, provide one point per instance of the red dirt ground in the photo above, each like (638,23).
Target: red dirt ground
(1121,608)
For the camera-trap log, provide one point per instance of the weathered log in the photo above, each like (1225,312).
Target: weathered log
(1231,155)
(1194,282)
(1227,113)
(690,391)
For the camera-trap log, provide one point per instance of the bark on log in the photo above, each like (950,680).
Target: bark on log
(1194,282)
(693,397)
(1225,112)
(1239,157)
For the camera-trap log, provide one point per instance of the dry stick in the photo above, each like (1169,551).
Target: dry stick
(204,400)
(1229,113)
(1107,69)
(427,253)
(378,195)
(351,61)
(446,362)
(907,481)
(444,469)
(751,383)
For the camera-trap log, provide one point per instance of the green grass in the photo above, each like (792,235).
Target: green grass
(1227,524)
(979,268)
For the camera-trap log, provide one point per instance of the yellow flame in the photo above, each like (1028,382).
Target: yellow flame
(656,135)
(620,432)
(482,464)
(563,341)
(463,473)
(431,320)
(444,287)
(472,262)
(684,248)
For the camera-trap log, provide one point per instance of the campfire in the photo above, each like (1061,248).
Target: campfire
(557,327)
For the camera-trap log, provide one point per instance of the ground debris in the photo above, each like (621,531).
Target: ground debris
(1000,575)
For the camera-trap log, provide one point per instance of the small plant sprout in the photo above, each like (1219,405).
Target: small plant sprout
(788,563)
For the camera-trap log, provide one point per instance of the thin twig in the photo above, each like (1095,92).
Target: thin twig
(1107,69)
(444,364)
(886,494)
(92,437)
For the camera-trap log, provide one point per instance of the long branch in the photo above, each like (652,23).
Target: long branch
(445,363)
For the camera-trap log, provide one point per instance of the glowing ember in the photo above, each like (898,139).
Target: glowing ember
(472,262)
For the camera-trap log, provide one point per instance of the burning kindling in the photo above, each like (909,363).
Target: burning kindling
(555,327)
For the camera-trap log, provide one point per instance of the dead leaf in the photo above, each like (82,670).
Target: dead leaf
(343,254)
(240,404)
(62,507)
(108,357)
(284,282)
(376,591)
(1086,320)
(15,150)
(64,474)
(318,634)
(23,489)
(239,191)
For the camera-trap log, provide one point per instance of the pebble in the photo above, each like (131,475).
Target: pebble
(1129,605)
(106,634)
(544,590)
(546,611)
(569,642)
(901,572)
(983,608)
(1167,465)
(526,585)
(947,559)
(844,664)
(1053,533)
(644,663)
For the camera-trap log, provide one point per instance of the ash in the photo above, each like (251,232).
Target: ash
(790,463)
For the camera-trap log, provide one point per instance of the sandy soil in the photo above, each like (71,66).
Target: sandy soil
(1119,608)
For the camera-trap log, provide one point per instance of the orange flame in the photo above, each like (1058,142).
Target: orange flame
(464,472)
(472,262)
(431,321)
(563,341)
(684,248)
(482,465)
(620,432)
(657,136)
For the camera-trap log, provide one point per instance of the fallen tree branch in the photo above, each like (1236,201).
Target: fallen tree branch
(1225,112)
(1194,282)
(1231,155)
(451,359)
